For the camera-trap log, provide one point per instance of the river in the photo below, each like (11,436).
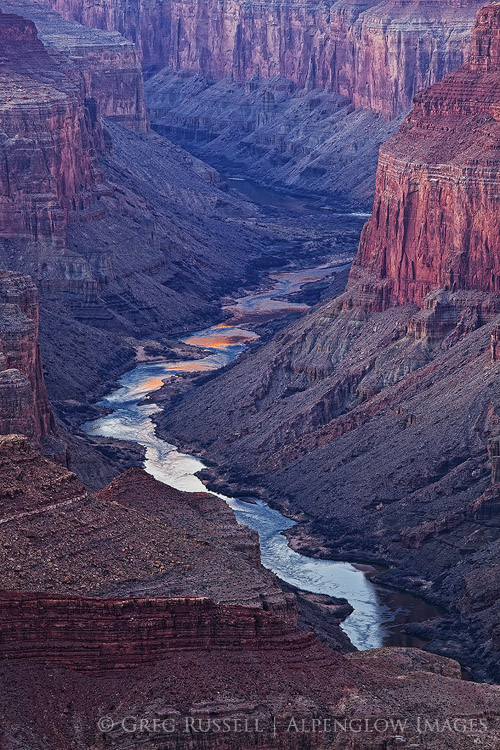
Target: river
(379,612)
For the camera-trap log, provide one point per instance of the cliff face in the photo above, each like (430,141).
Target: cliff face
(105,64)
(206,676)
(378,54)
(24,405)
(438,187)
(57,79)
(378,413)
(47,169)
(101,634)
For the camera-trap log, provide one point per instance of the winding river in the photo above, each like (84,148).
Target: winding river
(379,613)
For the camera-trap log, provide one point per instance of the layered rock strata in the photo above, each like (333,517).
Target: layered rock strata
(107,64)
(438,187)
(376,54)
(272,131)
(24,404)
(186,666)
(392,388)
(49,168)
(104,634)
(300,95)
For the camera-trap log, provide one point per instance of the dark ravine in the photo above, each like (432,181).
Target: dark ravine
(380,616)
(392,388)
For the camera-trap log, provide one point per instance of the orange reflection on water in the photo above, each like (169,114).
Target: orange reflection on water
(196,365)
(229,336)
(152,384)
(213,342)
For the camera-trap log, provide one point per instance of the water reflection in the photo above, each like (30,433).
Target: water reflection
(378,613)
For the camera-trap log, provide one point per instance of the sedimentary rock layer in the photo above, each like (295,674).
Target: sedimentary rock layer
(377,54)
(101,634)
(48,167)
(272,131)
(24,404)
(189,663)
(107,64)
(438,187)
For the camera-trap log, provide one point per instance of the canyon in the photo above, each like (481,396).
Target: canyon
(298,94)
(373,420)
(338,49)
(95,614)
(84,184)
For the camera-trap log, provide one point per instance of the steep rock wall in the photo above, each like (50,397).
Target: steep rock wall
(106,63)
(24,404)
(47,141)
(119,633)
(437,197)
(378,54)
(57,79)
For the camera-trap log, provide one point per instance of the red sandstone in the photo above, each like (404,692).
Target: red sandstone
(377,54)
(438,188)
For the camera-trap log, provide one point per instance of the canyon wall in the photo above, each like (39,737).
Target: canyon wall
(378,54)
(377,414)
(58,78)
(24,404)
(48,168)
(106,64)
(103,634)
(50,117)
(438,187)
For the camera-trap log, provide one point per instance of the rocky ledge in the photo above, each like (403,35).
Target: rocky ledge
(24,404)
(376,417)
(187,666)
(138,538)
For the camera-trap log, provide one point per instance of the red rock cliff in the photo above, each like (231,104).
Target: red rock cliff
(112,633)
(434,223)
(46,140)
(106,62)
(379,54)
(57,78)
(24,405)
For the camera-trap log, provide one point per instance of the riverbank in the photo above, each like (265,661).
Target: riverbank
(379,617)
(292,238)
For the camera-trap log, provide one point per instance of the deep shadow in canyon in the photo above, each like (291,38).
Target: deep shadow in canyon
(365,406)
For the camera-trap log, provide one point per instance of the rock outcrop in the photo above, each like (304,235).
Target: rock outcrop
(377,415)
(438,187)
(376,54)
(48,141)
(24,404)
(107,64)
(105,634)
(138,538)
(192,674)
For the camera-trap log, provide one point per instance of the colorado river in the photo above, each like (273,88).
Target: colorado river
(379,613)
